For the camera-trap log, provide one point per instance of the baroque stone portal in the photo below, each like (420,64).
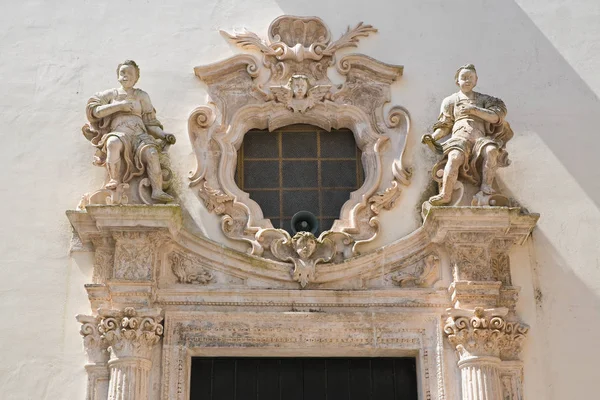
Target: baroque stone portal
(161,294)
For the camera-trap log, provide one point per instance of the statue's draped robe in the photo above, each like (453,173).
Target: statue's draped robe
(471,134)
(129,127)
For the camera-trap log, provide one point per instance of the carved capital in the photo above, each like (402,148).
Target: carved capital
(130,333)
(94,344)
(484,333)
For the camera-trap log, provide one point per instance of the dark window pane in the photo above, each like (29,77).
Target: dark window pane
(325,224)
(268,201)
(261,174)
(286,225)
(338,144)
(338,173)
(299,144)
(260,144)
(333,200)
(300,174)
(300,200)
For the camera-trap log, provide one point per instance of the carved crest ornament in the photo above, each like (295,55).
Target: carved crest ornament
(162,294)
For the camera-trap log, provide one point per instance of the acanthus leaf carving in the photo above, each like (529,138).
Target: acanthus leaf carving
(214,199)
(188,271)
(350,38)
(131,332)
(485,332)
(93,341)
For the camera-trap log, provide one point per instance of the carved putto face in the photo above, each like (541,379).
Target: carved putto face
(299,86)
(466,80)
(304,244)
(127,76)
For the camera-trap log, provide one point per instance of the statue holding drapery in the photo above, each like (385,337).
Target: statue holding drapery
(476,148)
(130,141)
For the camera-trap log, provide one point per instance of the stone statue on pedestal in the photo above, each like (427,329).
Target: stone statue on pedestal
(476,148)
(129,141)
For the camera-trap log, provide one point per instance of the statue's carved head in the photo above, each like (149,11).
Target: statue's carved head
(128,73)
(304,244)
(466,77)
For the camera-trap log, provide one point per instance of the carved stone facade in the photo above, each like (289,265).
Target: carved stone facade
(445,288)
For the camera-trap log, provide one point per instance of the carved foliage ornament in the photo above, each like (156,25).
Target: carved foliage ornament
(290,85)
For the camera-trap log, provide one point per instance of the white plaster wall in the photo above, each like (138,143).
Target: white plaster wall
(541,57)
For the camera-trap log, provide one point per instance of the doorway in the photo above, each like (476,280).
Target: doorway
(229,378)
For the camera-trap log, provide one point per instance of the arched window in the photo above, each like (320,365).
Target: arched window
(299,168)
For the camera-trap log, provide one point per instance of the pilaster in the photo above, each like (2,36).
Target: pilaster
(483,326)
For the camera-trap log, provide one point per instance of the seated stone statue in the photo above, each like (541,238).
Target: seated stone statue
(124,129)
(476,147)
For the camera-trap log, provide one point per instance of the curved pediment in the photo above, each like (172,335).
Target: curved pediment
(173,257)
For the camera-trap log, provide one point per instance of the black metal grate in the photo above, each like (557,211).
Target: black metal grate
(299,168)
(303,379)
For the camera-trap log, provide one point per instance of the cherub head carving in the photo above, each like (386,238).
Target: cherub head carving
(304,244)
(298,95)
(299,86)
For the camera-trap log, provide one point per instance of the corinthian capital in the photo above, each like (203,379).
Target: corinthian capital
(131,332)
(485,333)
(93,342)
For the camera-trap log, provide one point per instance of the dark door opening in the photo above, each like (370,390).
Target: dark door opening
(230,378)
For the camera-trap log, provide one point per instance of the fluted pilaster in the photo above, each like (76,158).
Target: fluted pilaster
(131,336)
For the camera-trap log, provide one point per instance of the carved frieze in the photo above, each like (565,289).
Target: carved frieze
(290,85)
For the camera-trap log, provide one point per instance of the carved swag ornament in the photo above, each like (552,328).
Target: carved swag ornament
(289,85)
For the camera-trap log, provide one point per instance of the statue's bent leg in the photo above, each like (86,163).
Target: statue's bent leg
(455,160)
(490,165)
(150,158)
(114,148)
